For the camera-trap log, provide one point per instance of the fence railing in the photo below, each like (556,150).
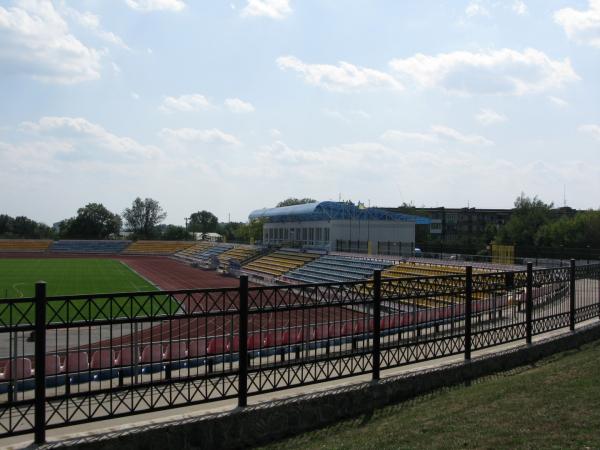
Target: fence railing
(67,360)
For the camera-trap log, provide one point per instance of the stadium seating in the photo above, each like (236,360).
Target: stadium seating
(24,245)
(332,268)
(240,254)
(22,369)
(157,247)
(187,254)
(277,263)
(91,246)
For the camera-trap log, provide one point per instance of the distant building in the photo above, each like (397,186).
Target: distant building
(339,226)
(452,224)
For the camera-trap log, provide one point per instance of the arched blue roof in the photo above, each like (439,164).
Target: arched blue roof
(330,211)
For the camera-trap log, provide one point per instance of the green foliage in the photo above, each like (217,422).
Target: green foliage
(579,231)
(295,201)
(243,232)
(203,222)
(23,227)
(93,221)
(174,233)
(143,217)
(529,215)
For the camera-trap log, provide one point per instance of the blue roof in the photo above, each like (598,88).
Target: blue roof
(331,210)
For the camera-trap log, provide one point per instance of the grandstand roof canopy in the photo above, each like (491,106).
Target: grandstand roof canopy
(331,211)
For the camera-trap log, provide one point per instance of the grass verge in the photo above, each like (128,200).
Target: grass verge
(553,404)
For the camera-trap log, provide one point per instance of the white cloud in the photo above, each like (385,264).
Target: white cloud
(401,136)
(185,103)
(519,7)
(436,134)
(591,129)
(346,116)
(238,106)
(92,23)
(135,95)
(343,77)
(476,8)
(275,133)
(581,26)
(190,135)
(274,9)
(89,137)
(36,42)
(489,117)
(503,72)
(558,101)
(156,5)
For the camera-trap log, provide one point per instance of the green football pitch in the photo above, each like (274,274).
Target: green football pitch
(73,276)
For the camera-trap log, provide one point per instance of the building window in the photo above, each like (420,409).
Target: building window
(319,235)
(304,234)
(311,235)
(326,235)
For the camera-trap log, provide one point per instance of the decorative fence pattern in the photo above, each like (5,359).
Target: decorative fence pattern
(75,359)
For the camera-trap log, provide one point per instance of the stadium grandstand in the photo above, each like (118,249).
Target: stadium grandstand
(278,263)
(89,246)
(338,226)
(240,254)
(24,245)
(157,247)
(330,268)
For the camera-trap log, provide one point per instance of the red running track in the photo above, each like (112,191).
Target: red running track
(170,274)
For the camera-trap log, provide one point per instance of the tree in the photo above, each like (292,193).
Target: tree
(174,233)
(203,222)
(230,230)
(295,201)
(579,231)
(93,221)
(143,216)
(528,216)
(250,231)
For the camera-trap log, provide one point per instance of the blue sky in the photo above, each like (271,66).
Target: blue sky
(235,105)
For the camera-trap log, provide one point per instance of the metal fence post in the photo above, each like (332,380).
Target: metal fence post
(468,310)
(572,296)
(40,363)
(243,343)
(529,303)
(376,323)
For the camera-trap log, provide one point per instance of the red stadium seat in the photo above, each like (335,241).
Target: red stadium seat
(152,353)
(76,362)
(254,341)
(103,359)
(176,350)
(197,348)
(126,357)
(53,365)
(22,369)
(215,346)
(233,345)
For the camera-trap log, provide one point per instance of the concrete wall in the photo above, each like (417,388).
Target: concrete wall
(270,421)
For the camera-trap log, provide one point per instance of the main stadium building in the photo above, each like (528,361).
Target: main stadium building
(339,226)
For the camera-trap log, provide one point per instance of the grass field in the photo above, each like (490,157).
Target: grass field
(71,276)
(554,404)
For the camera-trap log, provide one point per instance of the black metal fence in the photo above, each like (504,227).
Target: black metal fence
(73,359)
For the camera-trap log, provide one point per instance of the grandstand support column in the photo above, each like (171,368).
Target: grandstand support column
(243,343)
(468,310)
(572,296)
(529,303)
(40,363)
(376,323)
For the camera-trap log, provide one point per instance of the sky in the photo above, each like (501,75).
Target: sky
(234,105)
